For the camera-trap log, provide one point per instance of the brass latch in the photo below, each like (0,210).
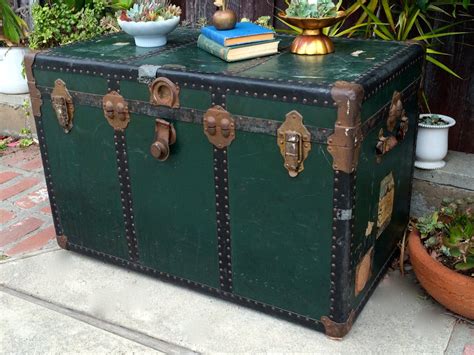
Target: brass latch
(294,141)
(219,127)
(116,110)
(165,135)
(62,105)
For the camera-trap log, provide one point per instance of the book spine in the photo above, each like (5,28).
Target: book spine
(212,47)
(213,35)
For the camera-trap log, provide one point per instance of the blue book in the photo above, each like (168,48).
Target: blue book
(243,33)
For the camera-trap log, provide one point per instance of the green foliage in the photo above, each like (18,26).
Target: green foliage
(401,20)
(13,29)
(449,234)
(61,23)
(311,8)
(432,120)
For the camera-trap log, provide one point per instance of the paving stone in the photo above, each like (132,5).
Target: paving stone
(46,210)
(469,349)
(35,242)
(19,230)
(6,216)
(7,176)
(28,328)
(20,157)
(33,199)
(21,186)
(32,165)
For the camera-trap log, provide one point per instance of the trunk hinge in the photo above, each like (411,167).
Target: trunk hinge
(344,145)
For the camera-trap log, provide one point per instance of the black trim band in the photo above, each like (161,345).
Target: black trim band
(223,218)
(47,173)
(126,194)
(342,233)
(243,123)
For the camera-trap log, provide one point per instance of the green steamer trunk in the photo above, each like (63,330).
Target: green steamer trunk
(280,183)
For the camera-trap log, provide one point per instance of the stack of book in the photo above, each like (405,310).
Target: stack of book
(245,41)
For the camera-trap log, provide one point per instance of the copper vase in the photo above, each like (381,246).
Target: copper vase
(312,41)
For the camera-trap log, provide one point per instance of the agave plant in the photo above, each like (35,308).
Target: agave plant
(12,27)
(448,234)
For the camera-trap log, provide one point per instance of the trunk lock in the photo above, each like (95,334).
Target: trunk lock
(294,141)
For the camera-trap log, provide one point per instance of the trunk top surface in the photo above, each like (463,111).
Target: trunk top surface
(366,62)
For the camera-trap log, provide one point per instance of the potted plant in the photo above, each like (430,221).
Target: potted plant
(311,17)
(150,21)
(432,144)
(63,22)
(13,31)
(442,255)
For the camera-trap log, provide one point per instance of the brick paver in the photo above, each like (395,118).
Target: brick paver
(22,185)
(35,242)
(33,198)
(25,216)
(6,216)
(7,176)
(19,230)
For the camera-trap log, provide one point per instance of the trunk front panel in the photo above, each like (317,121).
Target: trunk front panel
(84,174)
(174,202)
(280,226)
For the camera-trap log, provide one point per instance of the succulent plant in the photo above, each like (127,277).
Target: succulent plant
(433,120)
(311,8)
(150,10)
(448,234)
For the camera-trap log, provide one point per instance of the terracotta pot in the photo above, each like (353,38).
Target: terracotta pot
(454,291)
(224,19)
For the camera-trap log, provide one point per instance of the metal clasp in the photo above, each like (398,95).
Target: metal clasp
(165,135)
(63,105)
(116,110)
(219,127)
(294,141)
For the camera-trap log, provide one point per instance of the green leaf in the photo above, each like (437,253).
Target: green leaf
(410,24)
(437,35)
(455,252)
(432,51)
(442,66)
(388,13)
(465,266)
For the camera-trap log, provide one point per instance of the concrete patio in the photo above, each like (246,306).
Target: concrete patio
(56,301)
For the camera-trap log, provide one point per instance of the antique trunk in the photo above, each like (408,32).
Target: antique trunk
(281,183)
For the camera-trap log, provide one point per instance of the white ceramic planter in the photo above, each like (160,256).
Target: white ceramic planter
(150,34)
(11,71)
(432,144)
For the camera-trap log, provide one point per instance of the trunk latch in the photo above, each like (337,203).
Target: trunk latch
(62,105)
(294,141)
(165,135)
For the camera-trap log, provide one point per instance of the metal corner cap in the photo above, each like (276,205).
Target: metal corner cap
(336,330)
(62,241)
(344,90)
